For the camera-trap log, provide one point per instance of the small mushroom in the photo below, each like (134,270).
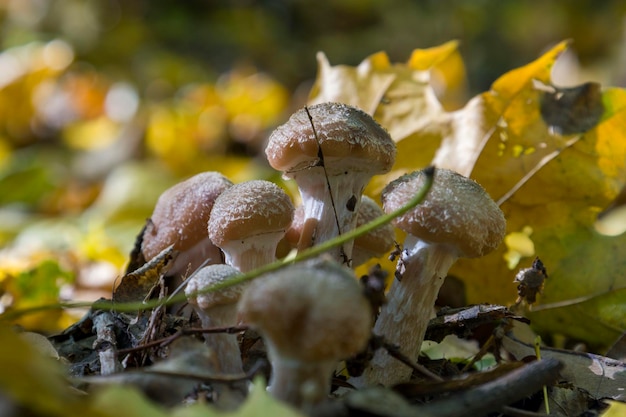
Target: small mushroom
(219,309)
(310,315)
(375,243)
(180,217)
(331,150)
(247,222)
(456,219)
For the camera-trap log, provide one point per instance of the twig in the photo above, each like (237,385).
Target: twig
(493,395)
(182,332)
(394,351)
(227,379)
(106,343)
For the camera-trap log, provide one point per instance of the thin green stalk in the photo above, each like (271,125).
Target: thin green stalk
(301,256)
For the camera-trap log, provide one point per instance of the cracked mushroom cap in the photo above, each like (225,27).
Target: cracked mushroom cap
(209,276)
(344,133)
(457,212)
(310,311)
(249,209)
(181,213)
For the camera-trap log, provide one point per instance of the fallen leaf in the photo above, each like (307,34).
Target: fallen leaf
(34,380)
(616,409)
(137,285)
(551,187)
(601,377)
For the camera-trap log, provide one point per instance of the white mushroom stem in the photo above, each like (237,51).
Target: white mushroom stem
(219,309)
(327,216)
(404,320)
(299,383)
(253,252)
(224,345)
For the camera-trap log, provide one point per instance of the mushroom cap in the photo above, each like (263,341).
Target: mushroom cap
(344,133)
(310,311)
(181,213)
(378,241)
(249,209)
(457,212)
(207,277)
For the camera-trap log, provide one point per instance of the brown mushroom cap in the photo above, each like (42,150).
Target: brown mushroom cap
(312,311)
(343,132)
(208,276)
(378,241)
(249,209)
(181,213)
(457,212)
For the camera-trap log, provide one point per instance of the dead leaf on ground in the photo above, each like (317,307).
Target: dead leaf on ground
(137,285)
(551,187)
(601,377)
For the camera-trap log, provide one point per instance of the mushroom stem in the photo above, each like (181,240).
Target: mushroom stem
(456,219)
(404,320)
(223,343)
(333,206)
(249,254)
(299,383)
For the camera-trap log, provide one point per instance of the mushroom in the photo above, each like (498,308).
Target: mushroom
(247,222)
(331,150)
(456,219)
(375,243)
(180,217)
(310,315)
(219,309)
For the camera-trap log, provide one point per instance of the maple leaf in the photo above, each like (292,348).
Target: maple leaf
(553,159)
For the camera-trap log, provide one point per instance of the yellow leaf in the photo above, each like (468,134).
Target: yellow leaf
(30,379)
(555,185)
(616,409)
(92,134)
(447,70)
(399,96)
(361,86)
(551,184)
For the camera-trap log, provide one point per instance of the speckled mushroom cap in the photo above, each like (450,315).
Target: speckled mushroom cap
(344,133)
(312,311)
(457,212)
(378,241)
(181,213)
(249,209)
(208,276)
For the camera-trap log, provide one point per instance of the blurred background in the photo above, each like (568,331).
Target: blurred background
(104,104)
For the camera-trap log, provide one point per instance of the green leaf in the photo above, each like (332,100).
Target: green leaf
(258,403)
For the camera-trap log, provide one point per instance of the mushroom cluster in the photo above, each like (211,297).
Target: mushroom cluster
(313,314)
